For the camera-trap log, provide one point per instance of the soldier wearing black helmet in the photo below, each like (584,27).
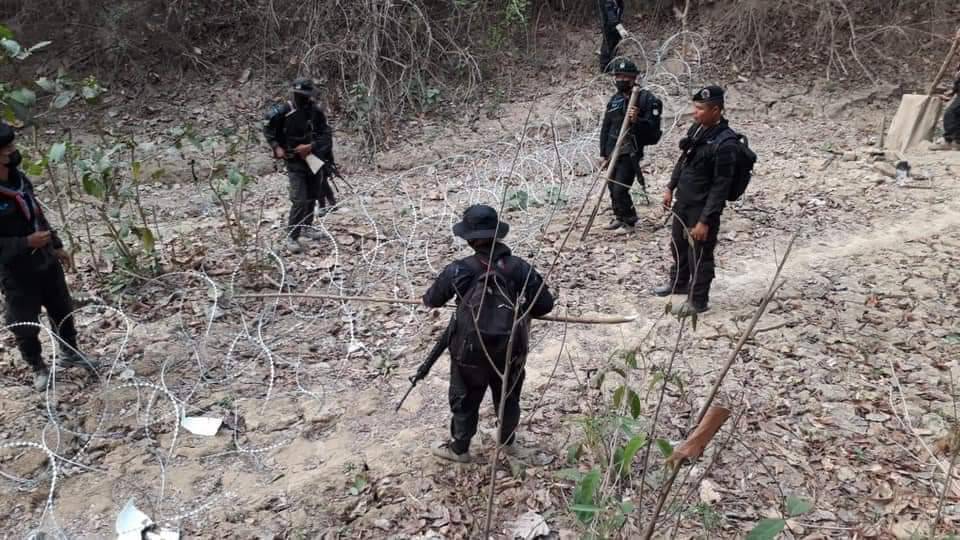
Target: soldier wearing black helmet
(644,130)
(296,130)
(31,269)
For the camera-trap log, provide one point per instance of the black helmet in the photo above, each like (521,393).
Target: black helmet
(303,87)
(624,66)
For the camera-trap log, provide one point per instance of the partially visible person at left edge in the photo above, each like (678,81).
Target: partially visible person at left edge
(31,268)
(951,117)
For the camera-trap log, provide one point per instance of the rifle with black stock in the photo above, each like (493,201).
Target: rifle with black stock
(435,353)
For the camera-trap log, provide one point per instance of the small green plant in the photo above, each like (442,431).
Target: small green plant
(513,19)
(602,516)
(768,529)
(218,163)
(708,516)
(103,181)
(556,197)
(358,477)
(599,503)
(18,100)
(517,200)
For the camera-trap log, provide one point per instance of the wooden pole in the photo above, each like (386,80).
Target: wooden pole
(946,63)
(617,319)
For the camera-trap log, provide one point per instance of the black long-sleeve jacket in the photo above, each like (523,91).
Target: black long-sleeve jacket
(703,174)
(611,12)
(287,127)
(648,108)
(21,216)
(455,280)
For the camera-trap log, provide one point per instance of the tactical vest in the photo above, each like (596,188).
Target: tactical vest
(298,127)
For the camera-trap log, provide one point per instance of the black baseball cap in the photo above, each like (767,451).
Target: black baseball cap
(709,94)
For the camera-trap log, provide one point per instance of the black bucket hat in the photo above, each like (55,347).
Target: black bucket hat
(480,222)
(303,87)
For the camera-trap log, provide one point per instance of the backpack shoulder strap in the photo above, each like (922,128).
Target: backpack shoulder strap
(476,265)
(726,135)
(647,98)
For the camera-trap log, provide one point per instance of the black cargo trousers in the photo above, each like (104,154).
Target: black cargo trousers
(470,376)
(25,296)
(306,189)
(693,267)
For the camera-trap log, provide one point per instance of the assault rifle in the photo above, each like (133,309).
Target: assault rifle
(435,353)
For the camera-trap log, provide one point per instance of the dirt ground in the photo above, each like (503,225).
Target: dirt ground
(844,395)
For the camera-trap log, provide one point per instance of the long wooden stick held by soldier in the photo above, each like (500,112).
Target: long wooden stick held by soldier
(616,319)
(612,163)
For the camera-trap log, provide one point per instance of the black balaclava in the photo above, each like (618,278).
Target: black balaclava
(7,136)
(301,101)
(14,160)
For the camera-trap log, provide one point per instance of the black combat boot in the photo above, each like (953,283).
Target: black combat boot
(41,375)
(669,288)
(71,358)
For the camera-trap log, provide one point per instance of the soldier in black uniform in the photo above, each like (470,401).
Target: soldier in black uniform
(295,130)
(611,15)
(471,370)
(951,117)
(30,268)
(701,179)
(644,129)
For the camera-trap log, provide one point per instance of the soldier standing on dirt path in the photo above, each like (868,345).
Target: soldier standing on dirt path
(951,117)
(611,15)
(487,286)
(702,179)
(295,130)
(644,129)
(31,269)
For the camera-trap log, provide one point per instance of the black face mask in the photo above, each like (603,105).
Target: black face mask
(624,86)
(301,101)
(14,160)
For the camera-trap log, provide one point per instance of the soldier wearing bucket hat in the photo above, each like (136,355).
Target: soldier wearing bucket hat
(295,130)
(490,288)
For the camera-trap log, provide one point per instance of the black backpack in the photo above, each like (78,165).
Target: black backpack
(647,128)
(746,159)
(485,313)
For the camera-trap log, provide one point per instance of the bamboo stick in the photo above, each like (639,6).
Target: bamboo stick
(616,319)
